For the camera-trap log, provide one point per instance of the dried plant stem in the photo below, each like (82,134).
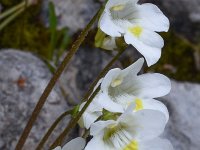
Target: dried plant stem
(53,81)
(89,92)
(11,18)
(12,10)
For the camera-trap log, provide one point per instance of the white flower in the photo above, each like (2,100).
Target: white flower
(120,88)
(132,131)
(91,114)
(138,24)
(75,144)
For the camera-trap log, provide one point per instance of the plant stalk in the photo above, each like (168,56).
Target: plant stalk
(48,133)
(12,10)
(73,122)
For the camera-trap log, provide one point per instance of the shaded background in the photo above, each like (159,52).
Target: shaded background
(34,42)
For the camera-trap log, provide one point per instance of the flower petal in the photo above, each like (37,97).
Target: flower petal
(75,144)
(112,74)
(133,69)
(148,44)
(91,114)
(107,26)
(97,127)
(89,118)
(106,102)
(151,85)
(97,143)
(152,39)
(153,124)
(145,124)
(112,3)
(151,17)
(156,105)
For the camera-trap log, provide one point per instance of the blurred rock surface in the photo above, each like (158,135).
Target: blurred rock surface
(184,106)
(23,77)
(74,14)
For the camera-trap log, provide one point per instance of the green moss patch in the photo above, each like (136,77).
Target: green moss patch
(27,32)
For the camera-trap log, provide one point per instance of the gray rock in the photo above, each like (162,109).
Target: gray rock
(183,127)
(74,14)
(23,77)
(191,7)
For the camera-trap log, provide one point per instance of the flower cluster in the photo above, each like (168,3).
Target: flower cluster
(138,25)
(129,118)
(125,115)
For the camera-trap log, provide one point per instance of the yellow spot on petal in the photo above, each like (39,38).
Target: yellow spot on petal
(116,82)
(118,7)
(133,145)
(136,31)
(138,104)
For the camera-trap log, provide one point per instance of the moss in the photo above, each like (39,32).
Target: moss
(27,32)
(177,59)
(8,3)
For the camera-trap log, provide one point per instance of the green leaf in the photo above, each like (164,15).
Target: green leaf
(65,40)
(53,25)
(75,111)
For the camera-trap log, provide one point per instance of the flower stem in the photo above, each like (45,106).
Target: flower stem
(48,133)
(53,81)
(74,121)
